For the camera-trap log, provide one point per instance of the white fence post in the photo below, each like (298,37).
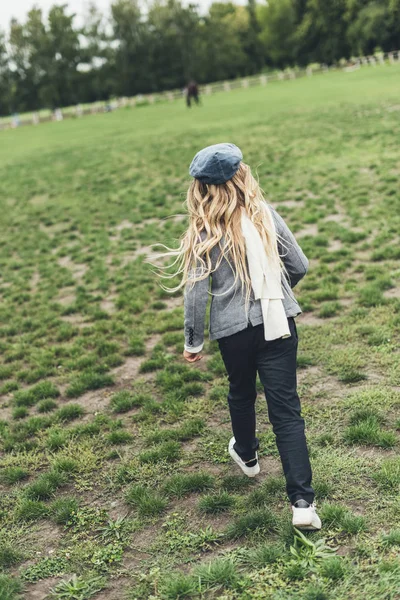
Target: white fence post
(263,80)
(245,83)
(227,87)
(391,57)
(309,71)
(35,118)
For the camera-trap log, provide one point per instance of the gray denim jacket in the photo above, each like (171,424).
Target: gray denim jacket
(228,306)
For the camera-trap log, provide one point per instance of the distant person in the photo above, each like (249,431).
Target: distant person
(192,92)
(242,247)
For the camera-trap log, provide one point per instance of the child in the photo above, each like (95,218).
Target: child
(242,247)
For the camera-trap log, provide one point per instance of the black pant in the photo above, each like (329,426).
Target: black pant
(245,353)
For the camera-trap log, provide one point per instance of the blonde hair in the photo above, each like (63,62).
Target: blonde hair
(215,220)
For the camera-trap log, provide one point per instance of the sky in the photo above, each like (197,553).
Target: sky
(20,8)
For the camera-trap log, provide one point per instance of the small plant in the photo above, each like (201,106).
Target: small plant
(315,592)
(10,588)
(307,553)
(78,588)
(62,509)
(45,406)
(11,475)
(388,477)
(260,556)
(181,484)
(44,389)
(56,439)
(124,401)
(9,555)
(168,452)
(235,483)
(69,412)
(147,501)
(216,503)
(333,568)
(30,510)
(65,465)
(119,437)
(86,381)
(178,586)
(221,572)
(45,485)
(113,529)
(391,539)
(45,567)
(263,520)
(20,412)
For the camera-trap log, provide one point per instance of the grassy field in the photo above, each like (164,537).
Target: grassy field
(115,478)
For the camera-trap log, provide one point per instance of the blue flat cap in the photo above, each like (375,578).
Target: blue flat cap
(216,164)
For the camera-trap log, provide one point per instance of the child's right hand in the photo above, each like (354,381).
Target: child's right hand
(192,356)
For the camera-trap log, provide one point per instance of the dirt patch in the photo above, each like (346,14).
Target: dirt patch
(76,319)
(95,401)
(41,589)
(393,293)
(310,319)
(128,371)
(34,282)
(77,270)
(66,298)
(39,199)
(335,245)
(311,230)
(108,306)
(125,224)
(116,589)
(291,204)
(174,302)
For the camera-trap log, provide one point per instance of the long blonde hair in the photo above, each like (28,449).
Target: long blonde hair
(215,220)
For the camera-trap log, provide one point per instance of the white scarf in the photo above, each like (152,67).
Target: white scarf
(265,275)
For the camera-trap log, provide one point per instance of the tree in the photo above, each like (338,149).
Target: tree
(278,32)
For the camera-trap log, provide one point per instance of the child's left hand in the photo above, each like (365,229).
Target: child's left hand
(192,356)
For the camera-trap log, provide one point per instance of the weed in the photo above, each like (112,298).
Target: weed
(180,485)
(262,520)
(216,503)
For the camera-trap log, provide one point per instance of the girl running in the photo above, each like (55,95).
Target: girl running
(238,250)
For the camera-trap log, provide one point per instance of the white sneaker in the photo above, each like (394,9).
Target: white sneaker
(249,471)
(305,516)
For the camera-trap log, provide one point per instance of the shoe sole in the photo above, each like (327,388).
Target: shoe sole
(232,454)
(307,527)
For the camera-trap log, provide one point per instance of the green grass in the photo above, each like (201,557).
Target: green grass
(82,317)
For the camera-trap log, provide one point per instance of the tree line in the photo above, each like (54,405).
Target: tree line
(55,61)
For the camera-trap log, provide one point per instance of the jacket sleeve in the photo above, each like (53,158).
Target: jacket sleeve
(292,255)
(195,305)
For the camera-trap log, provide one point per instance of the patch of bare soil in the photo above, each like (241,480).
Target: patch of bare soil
(309,230)
(108,305)
(174,302)
(41,589)
(291,204)
(335,245)
(125,224)
(116,589)
(310,319)
(78,270)
(34,282)
(76,319)
(392,293)
(128,371)
(65,298)
(39,199)
(95,401)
